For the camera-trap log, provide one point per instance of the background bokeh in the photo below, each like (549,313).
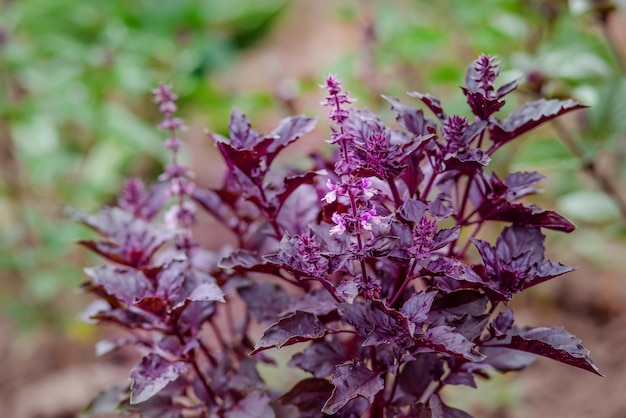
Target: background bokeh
(76,119)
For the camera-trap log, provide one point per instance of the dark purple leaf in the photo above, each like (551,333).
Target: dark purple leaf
(459,303)
(320,358)
(141,203)
(433,104)
(531,216)
(445,236)
(242,136)
(347,290)
(265,301)
(444,339)
(152,375)
(546,271)
(129,241)
(292,329)
(503,359)
(122,283)
(529,116)
(308,395)
(517,261)
(318,302)
(194,315)
(208,292)
(351,381)
(554,343)
(412,210)
(503,323)
(211,201)
(415,377)
(300,209)
(288,130)
(482,106)
(410,118)
(170,280)
(439,207)
(248,261)
(418,306)
(374,321)
(254,405)
(521,184)
(441,410)
(508,87)
(460,378)
(246,377)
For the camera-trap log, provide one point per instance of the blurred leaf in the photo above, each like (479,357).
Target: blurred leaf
(589,206)
(607,117)
(547,152)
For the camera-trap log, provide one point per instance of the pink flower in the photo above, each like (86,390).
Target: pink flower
(368,217)
(340,226)
(332,195)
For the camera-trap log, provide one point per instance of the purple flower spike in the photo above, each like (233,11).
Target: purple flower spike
(486,70)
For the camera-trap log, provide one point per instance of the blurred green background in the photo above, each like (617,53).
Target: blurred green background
(76,116)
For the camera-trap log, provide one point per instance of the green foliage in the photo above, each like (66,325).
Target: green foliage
(75,79)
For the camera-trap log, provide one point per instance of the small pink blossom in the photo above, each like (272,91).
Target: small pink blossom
(368,217)
(332,195)
(340,226)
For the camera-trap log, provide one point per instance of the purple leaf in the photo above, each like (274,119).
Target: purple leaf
(211,201)
(412,210)
(320,358)
(439,207)
(129,241)
(243,260)
(308,395)
(521,184)
(170,280)
(374,321)
(122,283)
(460,378)
(503,323)
(531,216)
(265,300)
(350,382)
(433,104)
(517,261)
(152,375)
(288,130)
(246,377)
(554,343)
(482,106)
(416,375)
(503,359)
(295,328)
(444,339)
(441,410)
(445,236)
(410,118)
(254,405)
(508,87)
(208,292)
(529,116)
(242,136)
(141,203)
(546,271)
(318,302)
(418,306)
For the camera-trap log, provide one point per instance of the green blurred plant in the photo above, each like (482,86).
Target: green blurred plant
(75,78)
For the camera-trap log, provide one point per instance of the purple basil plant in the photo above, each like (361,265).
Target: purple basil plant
(362,262)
